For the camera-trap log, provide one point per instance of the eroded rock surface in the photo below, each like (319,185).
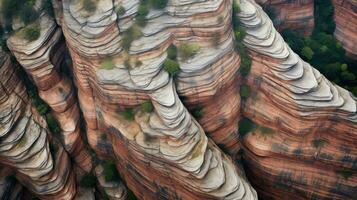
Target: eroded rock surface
(314,121)
(296,15)
(183,161)
(346,25)
(303,145)
(42,59)
(40,162)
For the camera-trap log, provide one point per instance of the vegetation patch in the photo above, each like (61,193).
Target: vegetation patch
(172,67)
(246,126)
(322,50)
(120,10)
(143,10)
(147,107)
(130,35)
(244,92)
(18,8)
(197,113)
(239,35)
(88,181)
(172,52)
(30,33)
(107,64)
(188,50)
(110,171)
(128,114)
(89,5)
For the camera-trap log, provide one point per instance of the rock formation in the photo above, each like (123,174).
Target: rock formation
(346,25)
(183,162)
(40,162)
(42,59)
(296,15)
(314,122)
(174,135)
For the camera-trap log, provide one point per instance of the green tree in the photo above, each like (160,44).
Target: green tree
(172,67)
(307,53)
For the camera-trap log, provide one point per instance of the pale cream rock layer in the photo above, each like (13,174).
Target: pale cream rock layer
(314,121)
(42,60)
(25,141)
(170,137)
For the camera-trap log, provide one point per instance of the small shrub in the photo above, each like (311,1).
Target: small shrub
(245,66)
(143,10)
(120,10)
(128,114)
(89,5)
(239,34)
(244,92)
(88,181)
(345,173)
(110,171)
(30,33)
(172,67)
(240,49)
(172,52)
(245,126)
(188,50)
(307,52)
(147,107)
(107,64)
(197,113)
(130,35)
(158,4)
(236,7)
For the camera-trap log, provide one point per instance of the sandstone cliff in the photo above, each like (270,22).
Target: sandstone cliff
(346,25)
(40,161)
(296,15)
(314,143)
(174,133)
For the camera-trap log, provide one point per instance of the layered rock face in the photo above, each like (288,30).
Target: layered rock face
(346,25)
(39,161)
(183,162)
(303,145)
(312,145)
(296,15)
(42,59)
